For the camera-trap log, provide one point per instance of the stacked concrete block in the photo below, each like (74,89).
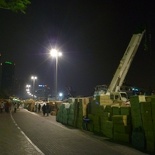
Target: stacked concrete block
(95,112)
(90,124)
(80,111)
(153,111)
(135,112)
(80,114)
(65,112)
(106,125)
(104,100)
(107,129)
(148,115)
(138,135)
(59,116)
(121,128)
(71,114)
(115,110)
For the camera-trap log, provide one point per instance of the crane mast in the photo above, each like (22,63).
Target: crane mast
(125,63)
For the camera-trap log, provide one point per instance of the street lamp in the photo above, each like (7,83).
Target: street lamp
(60,96)
(55,53)
(28,87)
(33,80)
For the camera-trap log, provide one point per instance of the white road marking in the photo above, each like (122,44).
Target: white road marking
(26,136)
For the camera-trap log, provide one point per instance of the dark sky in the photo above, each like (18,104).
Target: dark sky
(92,34)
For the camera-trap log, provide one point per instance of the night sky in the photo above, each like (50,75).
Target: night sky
(92,35)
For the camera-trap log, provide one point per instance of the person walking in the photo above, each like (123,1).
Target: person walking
(7,106)
(47,108)
(44,109)
(15,107)
(39,106)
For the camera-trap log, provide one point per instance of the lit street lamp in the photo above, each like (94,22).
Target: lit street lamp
(34,78)
(28,87)
(60,96)
(54,53)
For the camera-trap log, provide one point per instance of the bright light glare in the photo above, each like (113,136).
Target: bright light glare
(28,90)
(55,53)
(60,94)
(28,86)
(60,54)
(34,77)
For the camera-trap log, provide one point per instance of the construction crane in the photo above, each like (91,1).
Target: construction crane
(114,88)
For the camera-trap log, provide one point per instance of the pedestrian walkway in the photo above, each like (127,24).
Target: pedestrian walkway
(49,137)
(12,140)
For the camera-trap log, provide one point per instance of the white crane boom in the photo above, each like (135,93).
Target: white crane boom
(125,63)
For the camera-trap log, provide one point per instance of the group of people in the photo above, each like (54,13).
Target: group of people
(37,107)
(8,106)
(1,107)
(46,109)
(5,106)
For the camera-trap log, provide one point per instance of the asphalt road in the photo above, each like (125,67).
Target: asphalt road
(46,136)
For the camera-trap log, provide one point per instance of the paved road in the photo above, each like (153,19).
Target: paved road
(12,140)
(28,133)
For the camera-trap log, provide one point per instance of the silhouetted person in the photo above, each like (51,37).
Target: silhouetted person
(39,106)
(1,107)
(15,107)
(47,108)
(44,109)
(7,107)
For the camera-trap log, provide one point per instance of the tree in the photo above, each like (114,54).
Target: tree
(15,5)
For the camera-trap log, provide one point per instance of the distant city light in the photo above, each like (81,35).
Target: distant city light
(42,85)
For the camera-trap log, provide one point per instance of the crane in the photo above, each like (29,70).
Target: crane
(122,70)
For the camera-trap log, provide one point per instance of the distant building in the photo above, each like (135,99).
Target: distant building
(7,77)
(42,92)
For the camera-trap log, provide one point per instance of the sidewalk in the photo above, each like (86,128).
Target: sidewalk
(57,138)
(12,141)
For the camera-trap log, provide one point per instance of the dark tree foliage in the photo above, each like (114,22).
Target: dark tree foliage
(15,5)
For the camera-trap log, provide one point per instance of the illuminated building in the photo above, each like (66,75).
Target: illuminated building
(7,77)
(42,92)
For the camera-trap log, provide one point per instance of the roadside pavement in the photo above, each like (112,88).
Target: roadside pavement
(29,133)
(12,139)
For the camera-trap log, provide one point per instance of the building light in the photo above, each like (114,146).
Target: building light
(8,62)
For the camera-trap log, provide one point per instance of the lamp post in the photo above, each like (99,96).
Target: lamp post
(34,78)
(28,88)
(55,53)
